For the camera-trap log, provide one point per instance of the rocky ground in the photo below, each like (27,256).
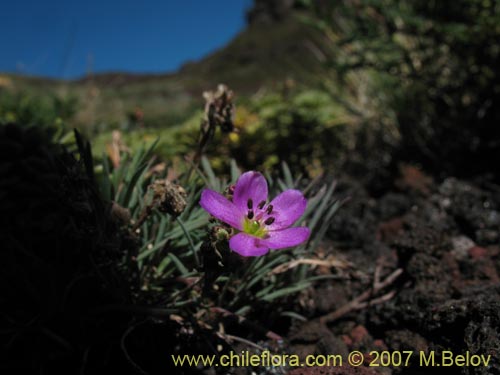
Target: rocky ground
(424,257)
(415,263)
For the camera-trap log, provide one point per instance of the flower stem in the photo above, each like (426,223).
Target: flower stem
(190,240)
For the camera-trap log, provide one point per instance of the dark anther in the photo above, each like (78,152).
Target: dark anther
(250,204)
(261,205)
(269,209)
(269,221)
(250,214)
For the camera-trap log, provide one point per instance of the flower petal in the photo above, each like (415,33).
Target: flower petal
(247,246)
(288,207)
(221,208)
(250,185)
(286,238)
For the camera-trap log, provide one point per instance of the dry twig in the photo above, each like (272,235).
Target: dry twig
(363,300)
(332,262)
(244,321)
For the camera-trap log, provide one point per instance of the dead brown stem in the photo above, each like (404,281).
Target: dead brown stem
(242,320)
(362,301)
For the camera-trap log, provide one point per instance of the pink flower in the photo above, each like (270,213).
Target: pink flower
(261,225)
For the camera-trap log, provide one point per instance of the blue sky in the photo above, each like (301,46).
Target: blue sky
(67,39)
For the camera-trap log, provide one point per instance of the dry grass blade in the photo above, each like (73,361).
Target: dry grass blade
(330,263)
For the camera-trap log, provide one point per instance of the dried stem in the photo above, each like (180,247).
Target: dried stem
(228,338)
(362,301)
(218,112)
(244,321)
(143,216)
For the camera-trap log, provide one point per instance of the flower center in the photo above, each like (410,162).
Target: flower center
(257,219)
(254,228)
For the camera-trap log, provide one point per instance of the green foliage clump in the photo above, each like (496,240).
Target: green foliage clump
(303,128)
(437,65)
(172,142)
(93,251)
(171,252)
(46,111)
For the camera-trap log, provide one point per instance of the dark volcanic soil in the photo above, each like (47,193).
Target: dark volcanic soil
(445,237)
(417,267)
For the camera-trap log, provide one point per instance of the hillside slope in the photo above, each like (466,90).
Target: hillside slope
(275,46)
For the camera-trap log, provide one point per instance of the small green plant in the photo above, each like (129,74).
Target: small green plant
(119,243)
(170,243)
(183,259)
(255,224)
(47,111)
(427,71)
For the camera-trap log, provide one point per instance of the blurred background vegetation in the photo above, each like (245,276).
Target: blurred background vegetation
(318,84)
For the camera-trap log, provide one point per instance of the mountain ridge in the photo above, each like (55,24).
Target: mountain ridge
(272,48)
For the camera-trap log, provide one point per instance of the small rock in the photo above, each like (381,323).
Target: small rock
(359,334)
(477,252)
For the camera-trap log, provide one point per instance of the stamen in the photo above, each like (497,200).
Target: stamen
(261,205)
(250,204)
(269,209)
(250,214)
(269,220)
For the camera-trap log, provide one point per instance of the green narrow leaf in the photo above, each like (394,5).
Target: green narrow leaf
(325,224)
(210,173)
(145,252)
(269,178)
(243,310)
(235,171)
(287,175)
(325,277)
(282,185)
(321,208)
(192,209)
(189,226)
(294,315)
(286,291)
(161,229)
(118,174)
(163,264)
(297,180)
(180,266)
(262,271)
(137,198)
(131,184)
(85,154)
(106,188)
(135,171)
(151,148)
(312,203)
(190,241)
(264,291)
